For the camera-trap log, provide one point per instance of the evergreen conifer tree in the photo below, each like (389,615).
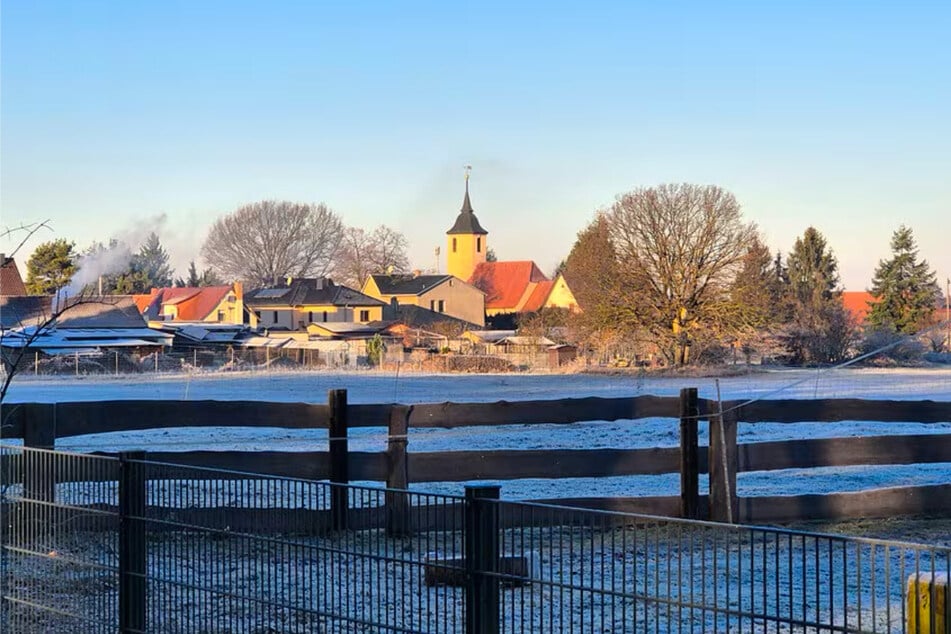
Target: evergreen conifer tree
(820,328)
(905,289)
(50,267)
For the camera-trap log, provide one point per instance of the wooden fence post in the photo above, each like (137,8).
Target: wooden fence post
(689,459)
(397,504)
(482,556)
(722,461)
(339,460)
(133,555)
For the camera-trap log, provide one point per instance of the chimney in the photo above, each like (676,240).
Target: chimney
(417,272)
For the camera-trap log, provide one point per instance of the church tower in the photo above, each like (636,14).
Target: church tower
(466,241)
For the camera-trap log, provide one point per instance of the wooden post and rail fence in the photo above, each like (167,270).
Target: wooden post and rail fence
(39,425)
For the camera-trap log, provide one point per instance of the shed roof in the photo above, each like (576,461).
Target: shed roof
(419,317)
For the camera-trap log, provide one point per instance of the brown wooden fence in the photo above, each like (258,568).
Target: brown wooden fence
(39,425)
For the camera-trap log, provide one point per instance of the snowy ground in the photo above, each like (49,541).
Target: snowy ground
(372,387)
(355,582)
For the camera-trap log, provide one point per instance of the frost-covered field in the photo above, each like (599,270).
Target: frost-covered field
(368,579)
(371,387)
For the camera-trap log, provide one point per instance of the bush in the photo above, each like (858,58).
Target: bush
(892,347)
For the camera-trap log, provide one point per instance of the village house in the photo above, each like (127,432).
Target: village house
(305,301)
(216,304)
(84,325)
(510,287)
(443,294)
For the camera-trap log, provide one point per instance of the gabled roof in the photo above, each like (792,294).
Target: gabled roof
(108,311)
(309,292)
(466,221)
(193,304)
(506,283)
(10,281)
(407,284)
(536,301)
(857,303)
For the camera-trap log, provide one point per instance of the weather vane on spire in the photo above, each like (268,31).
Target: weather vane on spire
(468,169)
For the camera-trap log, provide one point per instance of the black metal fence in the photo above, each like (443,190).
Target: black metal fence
(103,543)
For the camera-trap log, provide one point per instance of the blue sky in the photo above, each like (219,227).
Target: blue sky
(117,118)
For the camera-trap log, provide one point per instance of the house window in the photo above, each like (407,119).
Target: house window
(325,316)
(364,315)
(453,245)
(274,316)
(221,315)
(310,316)
(432,304)
(478,245)
(442,306)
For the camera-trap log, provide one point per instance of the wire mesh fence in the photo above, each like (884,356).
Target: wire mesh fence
(98,543)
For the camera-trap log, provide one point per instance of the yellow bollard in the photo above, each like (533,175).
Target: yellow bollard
(923,617)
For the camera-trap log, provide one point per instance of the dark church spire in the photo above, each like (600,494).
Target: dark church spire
(467,222)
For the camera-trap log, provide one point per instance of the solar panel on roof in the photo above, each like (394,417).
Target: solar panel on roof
(268,293)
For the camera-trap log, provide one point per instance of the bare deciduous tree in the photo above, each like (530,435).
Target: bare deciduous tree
(361,254)
(266,241)
(680,246)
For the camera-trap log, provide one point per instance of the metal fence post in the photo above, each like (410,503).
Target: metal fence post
(133,555)
(39,469)
(482,559)
(689,458)
(397,504)
(339,467)
(39,432)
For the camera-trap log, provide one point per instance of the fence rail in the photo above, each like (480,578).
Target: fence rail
(161,547)
(39,425)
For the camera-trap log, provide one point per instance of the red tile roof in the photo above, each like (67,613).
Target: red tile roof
(10,281)
(506,283)
(857,303)
(194,304)
(539,296)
